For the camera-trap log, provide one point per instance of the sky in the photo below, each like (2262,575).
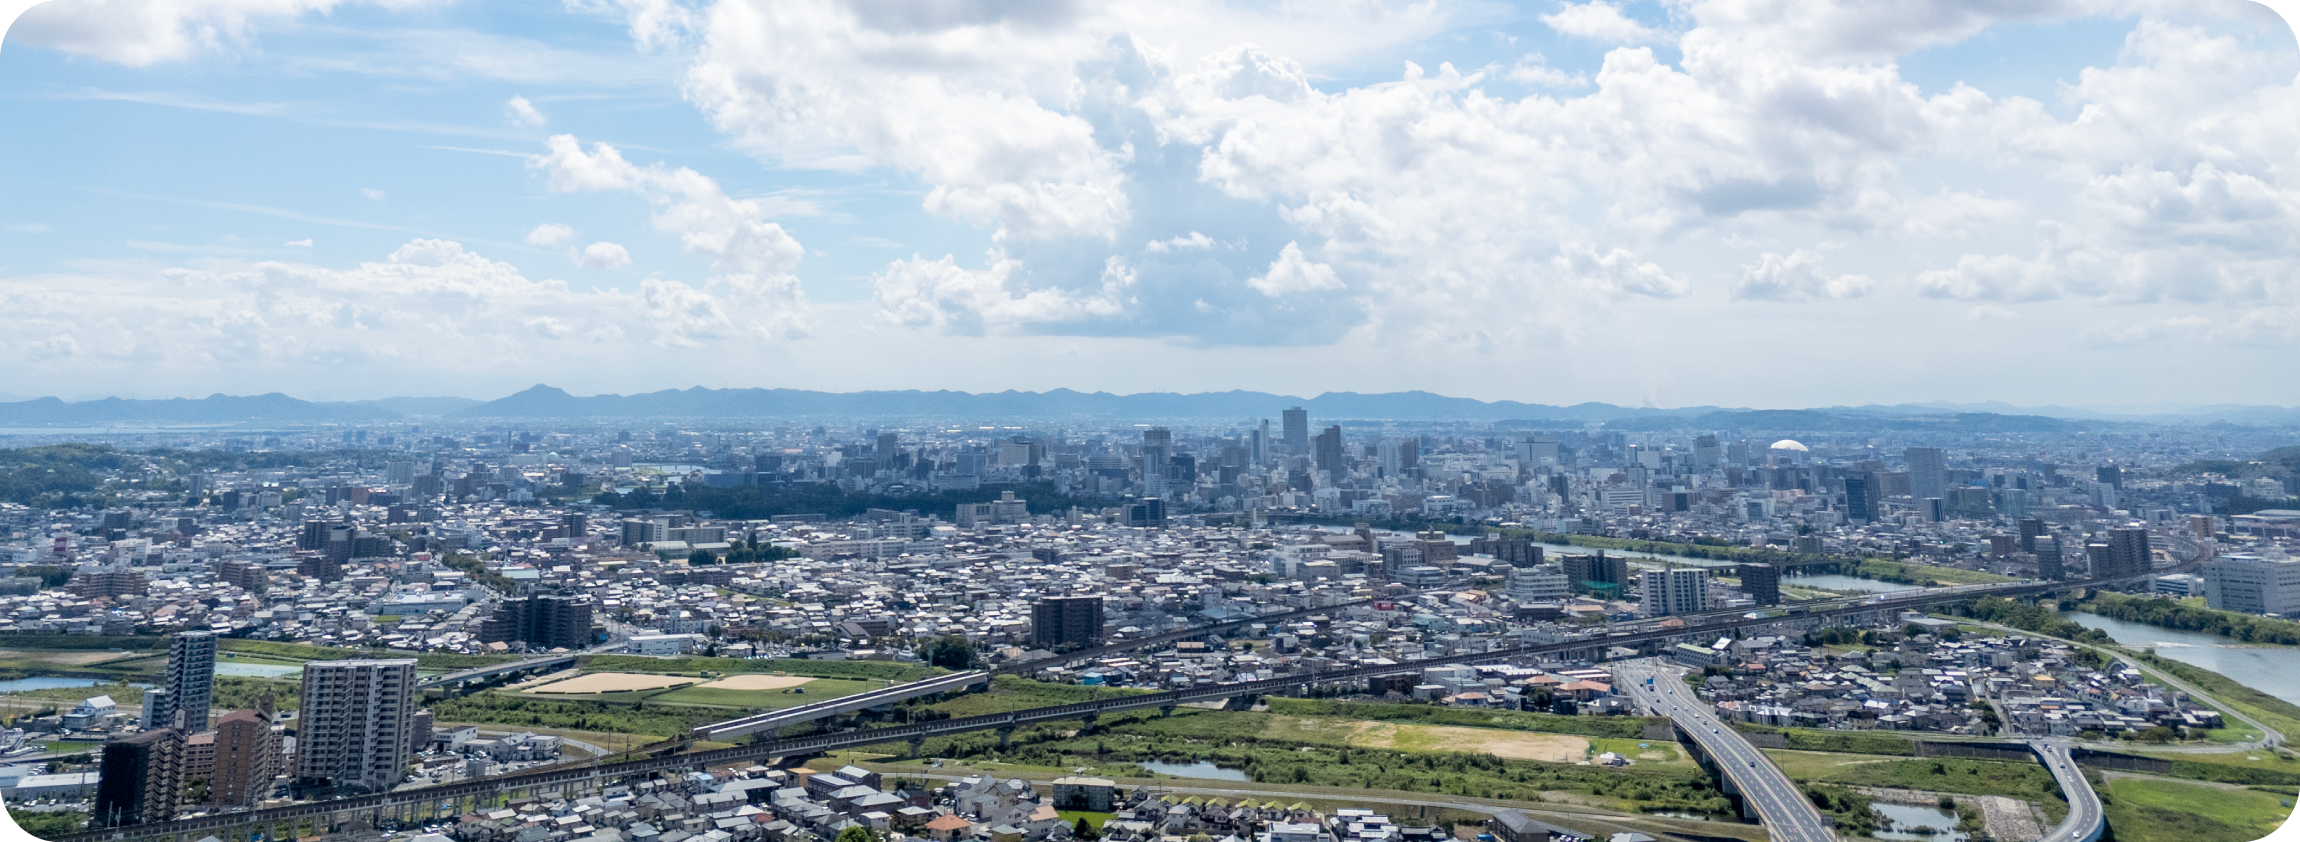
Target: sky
(1772,203)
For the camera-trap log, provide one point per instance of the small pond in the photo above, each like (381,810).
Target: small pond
(1918,823)
(1200,769)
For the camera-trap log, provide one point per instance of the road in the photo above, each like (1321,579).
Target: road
(1780,805)
(2084,820)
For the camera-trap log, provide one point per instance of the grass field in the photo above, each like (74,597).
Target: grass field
(821,689)
(1093,820)
(2143,809)
(2029,782)
(2260,810)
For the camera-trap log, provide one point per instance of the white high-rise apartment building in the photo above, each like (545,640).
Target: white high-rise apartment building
(1678,590)
(190,680)
(353,729)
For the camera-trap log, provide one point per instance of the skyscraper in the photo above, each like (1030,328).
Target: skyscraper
(1399,457)
(1928,472)
(1064,621)
(1707,453)
(1297,430)
(2048,563)
(1157,460)
(2030,529)
(190,679)
(141,779)
(1258,444)
(1859,504)
(353,729)
(1329,456)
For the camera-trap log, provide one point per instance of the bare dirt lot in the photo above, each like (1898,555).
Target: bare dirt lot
(1516,745)
(758,682)
(613,682)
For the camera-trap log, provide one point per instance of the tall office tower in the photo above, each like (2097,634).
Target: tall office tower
(2109,475)
(1737,454)
(1928,472)
(576,525)
(2127,553)
(141,779)
(353,729)
(1672,592)
(1397,456)
(398,473)
(1762,582)
(1707,453)
(190,680)
(543,622)
(2030,529)
(1329,454)
(1258,444)
(1297,430)
(1063,621)
(247,759)
(1859,504)
(1157,460)
(888,443)
(2047,549)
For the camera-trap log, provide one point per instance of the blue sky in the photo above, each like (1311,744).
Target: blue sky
(1747,202)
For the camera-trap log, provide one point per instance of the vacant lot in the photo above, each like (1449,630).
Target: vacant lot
(613,682)
(1515,745)
(758,682)
(64,658)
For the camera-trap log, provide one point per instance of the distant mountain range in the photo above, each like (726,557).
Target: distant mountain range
(542,403)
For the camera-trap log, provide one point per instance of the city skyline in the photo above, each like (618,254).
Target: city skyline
(1702,203)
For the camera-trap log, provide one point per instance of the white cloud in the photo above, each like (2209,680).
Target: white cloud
(604,255)
(753,258)
(139,33)
(945,296)
(1292,273)
(1598,20)
(372,194)
(1615,272)
(550,234)
(1797,275)
(303,243)
(1194,241)
(523,113)
(1533,69)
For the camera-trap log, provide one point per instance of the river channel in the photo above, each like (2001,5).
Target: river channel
(2274,670)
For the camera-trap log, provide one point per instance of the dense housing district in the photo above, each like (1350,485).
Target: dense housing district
(1439,628)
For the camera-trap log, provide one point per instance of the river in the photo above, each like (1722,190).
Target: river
(2274,670)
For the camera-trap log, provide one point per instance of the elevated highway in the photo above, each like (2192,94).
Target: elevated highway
(2085,819)
(1764,789)
(778,719)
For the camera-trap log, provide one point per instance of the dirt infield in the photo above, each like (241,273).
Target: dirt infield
(758,682)
(613,682)
(68,658)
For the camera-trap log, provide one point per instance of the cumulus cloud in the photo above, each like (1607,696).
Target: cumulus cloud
(550,234)
(751,256)
(1599,20)
(604,255)
(1796,276)
(1616,271)
(1292,273)
(942,295)
(523,113)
